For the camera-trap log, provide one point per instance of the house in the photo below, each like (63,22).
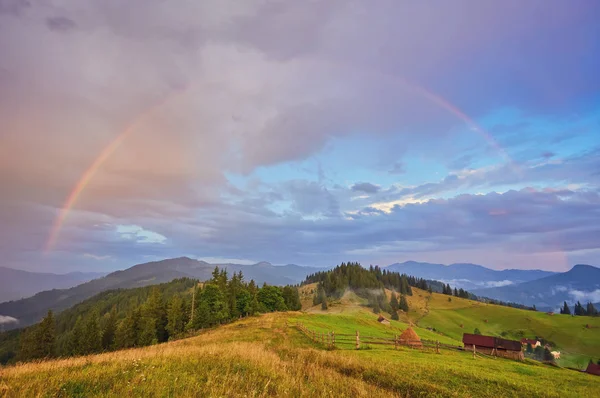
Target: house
(593,369)
(555,354)
(496,346)
(382,320)
(534,343)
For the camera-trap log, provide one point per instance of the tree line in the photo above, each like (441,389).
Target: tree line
(151,315)
(579,309)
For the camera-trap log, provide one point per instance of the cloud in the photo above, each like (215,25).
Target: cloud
(60,24)
(196,93)
(96,257)
(139,234)
(583,296)
(7,319)
(505,282)
(365,187)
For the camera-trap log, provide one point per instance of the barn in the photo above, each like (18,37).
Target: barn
(382,320)
(593,369)
(493,346)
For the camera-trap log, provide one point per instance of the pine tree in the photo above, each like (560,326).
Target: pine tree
(155,313)
(76,338)
(175,316)
(46,336)
(476,331)
(565,310)
(91,340)
(110,329)
(403,305)
(591,310)
(394,304)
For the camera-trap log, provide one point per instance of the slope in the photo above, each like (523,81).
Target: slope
(32,309)
(268,356)
(16,284)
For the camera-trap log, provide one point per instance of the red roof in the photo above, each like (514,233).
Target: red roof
(491,342)
(528,341)
(593,369)
(478,340)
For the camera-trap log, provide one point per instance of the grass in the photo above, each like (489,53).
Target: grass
(577,343)
(268,356)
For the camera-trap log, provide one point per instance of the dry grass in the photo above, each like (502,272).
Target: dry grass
(267,356)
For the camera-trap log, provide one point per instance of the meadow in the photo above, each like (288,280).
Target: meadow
(269,356)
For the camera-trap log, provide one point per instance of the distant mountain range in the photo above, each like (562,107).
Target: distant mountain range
(16,284)
(581,283)
(542,288)
(468,276)
(31,310)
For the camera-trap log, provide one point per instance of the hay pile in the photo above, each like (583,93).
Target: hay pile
(410,338)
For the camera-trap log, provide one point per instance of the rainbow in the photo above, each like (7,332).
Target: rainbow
(91,171)
(107,152)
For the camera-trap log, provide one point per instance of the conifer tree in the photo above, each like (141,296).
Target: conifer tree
(175,316)
(109,330)
(403,304)
(91,340)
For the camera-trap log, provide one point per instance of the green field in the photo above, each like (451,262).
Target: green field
(269,356)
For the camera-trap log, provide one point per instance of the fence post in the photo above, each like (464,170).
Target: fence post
(473,351)
(333,339)
(437,346)
(357,340)
(395,342)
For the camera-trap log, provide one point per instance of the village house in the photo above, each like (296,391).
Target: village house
(495,346)
(534,343)
(382,320)
(593,369)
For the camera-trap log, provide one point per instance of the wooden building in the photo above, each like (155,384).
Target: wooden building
(383,320)
(593,369)
(495,346)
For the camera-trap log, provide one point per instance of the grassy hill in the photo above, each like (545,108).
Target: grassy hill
(576,342)
(269,356)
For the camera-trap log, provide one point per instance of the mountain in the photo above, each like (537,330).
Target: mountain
(467,276)
(32,309)
(581,283)
(16,284)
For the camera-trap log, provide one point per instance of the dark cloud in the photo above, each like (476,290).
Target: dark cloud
(397,168)
(60,24)
(365,187)
(13,7)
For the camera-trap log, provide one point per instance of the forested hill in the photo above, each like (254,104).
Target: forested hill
(354,276)
(136,317)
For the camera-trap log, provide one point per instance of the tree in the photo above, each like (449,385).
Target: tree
(449,299)
(394,304)
(155,315)
(476,331)
(591,310)
(39,341)
(76,337)
(403,305)
(565,310)
(271,298)
(291,298)
(324,305)
(376,308)
(129,330)
(91,341)
(109,330)
(538,353)
(175,316)
(395,316)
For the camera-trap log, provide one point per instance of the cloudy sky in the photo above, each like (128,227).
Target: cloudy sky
(308,132)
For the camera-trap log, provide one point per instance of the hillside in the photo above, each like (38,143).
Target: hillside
(31,310)
(467,276)
(269,356)
(577,343)
(17,284)
(581,283)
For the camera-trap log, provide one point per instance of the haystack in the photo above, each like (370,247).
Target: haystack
(410,338)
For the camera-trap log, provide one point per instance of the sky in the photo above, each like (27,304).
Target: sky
(299,132)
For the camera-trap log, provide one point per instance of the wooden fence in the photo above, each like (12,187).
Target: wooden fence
(332,339)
